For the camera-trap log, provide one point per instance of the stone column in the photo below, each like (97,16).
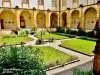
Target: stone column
(35,21)
(0,24)
(81,17)
(48,19)
(17,19)
(68,18)
(32,20)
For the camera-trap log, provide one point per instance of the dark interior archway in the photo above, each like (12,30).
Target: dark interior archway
(64,19)
(53,20)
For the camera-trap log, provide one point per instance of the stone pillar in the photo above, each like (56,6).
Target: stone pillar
(32,20)
(68,18)
(81,17)
(48,19)
(0,24)
(17,19)
(96,64)
(35,21)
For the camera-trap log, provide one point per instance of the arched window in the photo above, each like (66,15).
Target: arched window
(40,2)
(25,1)
(75,1)
(63,2)
(6,0)
(54,3)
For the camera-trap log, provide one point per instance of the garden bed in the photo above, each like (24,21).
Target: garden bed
(80,45)
(52,35)
(54,58)
(14,40)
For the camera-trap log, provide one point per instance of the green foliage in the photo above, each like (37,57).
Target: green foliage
(22,33)
(60,29)
(39,41)
(90,34)
(71,36)
(84,37)
(23,58)
(51,40)
(1,69)
(81,32)
(9,36)
(69,31)
(82,72)
(26,32)
(32,32)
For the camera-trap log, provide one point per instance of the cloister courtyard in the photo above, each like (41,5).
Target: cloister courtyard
(49,37)
(60,51)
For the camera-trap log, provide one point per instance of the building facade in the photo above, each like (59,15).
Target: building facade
(16,14)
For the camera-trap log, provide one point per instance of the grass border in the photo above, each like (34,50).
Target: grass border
(59,66)
(76,51)
(16,44)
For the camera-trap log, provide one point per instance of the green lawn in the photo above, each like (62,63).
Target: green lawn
(55,36)
(14,40)
(51,55)
(80,45)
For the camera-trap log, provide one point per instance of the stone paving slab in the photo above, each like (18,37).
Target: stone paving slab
(86,66)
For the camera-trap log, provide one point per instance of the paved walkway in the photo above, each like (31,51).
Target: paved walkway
(83,58)
(85,66)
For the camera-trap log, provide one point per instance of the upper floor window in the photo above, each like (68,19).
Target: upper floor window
(6,0)
(54,3)
(63,2)
(25,1)
(40,2)
(74,1)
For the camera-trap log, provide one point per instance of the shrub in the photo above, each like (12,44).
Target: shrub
(81,32)
(90,34)
(22,33)
(60,30)
(71,36)
(84,37)
(74,32)
(68,31)
(32,32)
(51,40)
(23,58)
(82,72)
(1,69)
(26,32)
(39,41)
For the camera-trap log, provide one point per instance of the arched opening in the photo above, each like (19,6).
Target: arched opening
(7,20)
(53,20)
(41,20)
(90,18)
(64,19)
(75,19)
(25,19)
